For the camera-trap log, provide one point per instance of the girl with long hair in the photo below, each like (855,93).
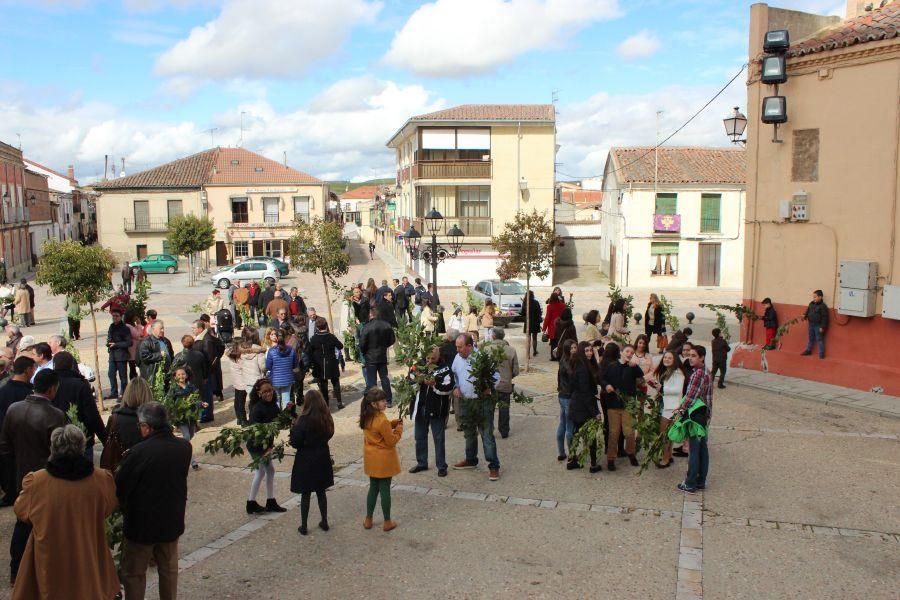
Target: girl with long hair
(563,329)
(312,471)
(583,406)
(533,324)
(182,387)
(471,321)
(381,461)
(247,360)
(620,381)
(565,430)
(263,409)
(642,353)
(654,320)
(487,319)
(555,308)
(617,324)
(668,380)
(457,322)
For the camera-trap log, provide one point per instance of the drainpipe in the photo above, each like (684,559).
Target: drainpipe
(518,165)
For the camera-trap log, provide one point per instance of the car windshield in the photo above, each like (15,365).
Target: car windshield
(509,287)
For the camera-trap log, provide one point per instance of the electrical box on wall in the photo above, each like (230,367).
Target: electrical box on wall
(800,207)
(857,303)
(784,210)
(890,305)
(858,274)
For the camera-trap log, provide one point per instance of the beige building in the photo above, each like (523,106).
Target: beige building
(252,200)
(477,165)
(673,218)
(826,192)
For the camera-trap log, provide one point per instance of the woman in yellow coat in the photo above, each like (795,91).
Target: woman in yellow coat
(380,458)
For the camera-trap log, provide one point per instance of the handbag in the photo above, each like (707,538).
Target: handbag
(112,449)
(662,341)
(545,338)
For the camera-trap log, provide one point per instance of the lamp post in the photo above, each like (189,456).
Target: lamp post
(735,124)
(435,254)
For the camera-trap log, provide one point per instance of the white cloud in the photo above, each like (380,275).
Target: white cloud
(643,44)
(818,7)
(455,38)
(264,38)
(587,130)
(348,95)
(143,33)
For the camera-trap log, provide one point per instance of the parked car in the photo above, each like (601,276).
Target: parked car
(245,271)
(506,295)
(157,263)
(283,267)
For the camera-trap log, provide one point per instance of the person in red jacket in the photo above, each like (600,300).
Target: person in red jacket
(555,306)
(117,303)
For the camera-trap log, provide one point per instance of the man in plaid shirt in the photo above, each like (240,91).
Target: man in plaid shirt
(699,386)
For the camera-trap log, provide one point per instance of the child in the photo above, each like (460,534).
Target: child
(770,322)
(720,350)
(312,470)
(380,458)
(263,409)
(182,389)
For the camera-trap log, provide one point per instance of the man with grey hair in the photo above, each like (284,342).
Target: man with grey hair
(482,421)
(151,484)
(13,336)
(155,351)
(508,369)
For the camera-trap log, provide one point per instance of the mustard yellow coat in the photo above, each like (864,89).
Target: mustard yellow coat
(380,456)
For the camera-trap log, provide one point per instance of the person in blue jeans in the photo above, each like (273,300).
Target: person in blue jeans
(566,428)
(280,362)
(699,387)
(816,316)
(467,393)
(431,409)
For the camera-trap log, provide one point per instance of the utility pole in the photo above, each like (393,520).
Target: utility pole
(656,156)
(241,143)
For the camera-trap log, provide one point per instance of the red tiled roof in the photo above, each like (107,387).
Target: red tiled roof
(878,24)
(364,192)
(189,172)
(253,168)
(680,165)
(492,112)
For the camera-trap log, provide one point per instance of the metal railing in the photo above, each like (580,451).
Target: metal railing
(472,226)
(146,225)
(274,225)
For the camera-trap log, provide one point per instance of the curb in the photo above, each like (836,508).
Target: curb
(845,403)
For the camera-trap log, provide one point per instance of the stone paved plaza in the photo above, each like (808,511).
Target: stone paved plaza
(802,503)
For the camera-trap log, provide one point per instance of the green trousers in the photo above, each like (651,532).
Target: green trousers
(376,487)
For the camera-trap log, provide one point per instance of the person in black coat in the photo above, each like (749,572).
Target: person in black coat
(151,484)
(263,409)
(323,350)
(118,342)
(401,302)
(75,390)
(583,407)
(431,410)
(620,380)
(193,358)
(533,326)
(374,340)
(15,390)
(654,320)
(265,296)
(312,471)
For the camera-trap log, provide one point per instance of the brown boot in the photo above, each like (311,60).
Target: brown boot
(388,525)
(367,523)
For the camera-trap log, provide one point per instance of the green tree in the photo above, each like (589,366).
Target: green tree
(84,274)
(526,247)
(319,247)
(188,235)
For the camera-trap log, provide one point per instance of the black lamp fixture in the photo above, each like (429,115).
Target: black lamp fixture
(777,41)
(774,69)
(735,124)
(774,72)
(412,239)
(433,253)
(456,236)
(434,221)
(774,110)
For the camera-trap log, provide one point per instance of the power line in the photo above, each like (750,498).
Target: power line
(673,134)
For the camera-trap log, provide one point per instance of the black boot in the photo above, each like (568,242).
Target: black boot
(253,507)
(272,506)
(610,465)
(633,460)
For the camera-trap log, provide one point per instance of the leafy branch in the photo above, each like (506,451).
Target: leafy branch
(668,312)
(231,440)
(615,294)
(589,434)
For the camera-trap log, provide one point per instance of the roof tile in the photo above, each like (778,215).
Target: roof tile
(492,112)
(363,192)
(189,172)
(253,168)
(681,165)
(876,25)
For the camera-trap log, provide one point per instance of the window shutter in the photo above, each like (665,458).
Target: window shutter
(710,212)
(657,248)
(666,204)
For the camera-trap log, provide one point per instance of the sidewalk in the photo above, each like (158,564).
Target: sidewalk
(880,404)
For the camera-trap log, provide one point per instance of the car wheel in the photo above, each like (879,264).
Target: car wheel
(170,270)
(224,283)
(270,280)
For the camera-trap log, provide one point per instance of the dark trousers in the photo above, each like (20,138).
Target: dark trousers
(117,368)
(75,329)
(240,406)
(380,370)
(206,394)
(17,544)
(437,425)
(503,414)
(335,385)
(721,367)
(698,463)
(133,569)
(126,284)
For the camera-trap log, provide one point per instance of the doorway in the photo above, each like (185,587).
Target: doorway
(141,251)
(221,254)
(709,268)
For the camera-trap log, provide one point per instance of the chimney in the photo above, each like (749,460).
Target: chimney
(71,172)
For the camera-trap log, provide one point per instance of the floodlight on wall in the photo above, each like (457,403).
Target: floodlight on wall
(777,41)
(735,124)
(774,70)
(774,110)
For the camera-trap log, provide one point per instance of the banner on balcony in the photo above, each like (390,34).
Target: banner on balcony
(667,223)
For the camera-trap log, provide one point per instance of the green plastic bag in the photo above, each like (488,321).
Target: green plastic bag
(684,427)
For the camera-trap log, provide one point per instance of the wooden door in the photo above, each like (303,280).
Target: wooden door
(221,254)
(257,248)
(710,265)
(141,251)
(612,265)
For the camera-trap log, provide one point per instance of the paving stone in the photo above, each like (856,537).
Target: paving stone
(415,489)
(496,498)
(470,495)
(254,525)
(522,501)
(201,554)
(690,558)
(688,590)
(690,575)
(692,538)
(222,542)
(440,492)
(825,530)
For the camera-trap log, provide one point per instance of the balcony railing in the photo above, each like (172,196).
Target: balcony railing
(666,224)
(276,225)
(473,227)
(452,169)
(146,225)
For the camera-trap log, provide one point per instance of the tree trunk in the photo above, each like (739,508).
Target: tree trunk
(528,346)
(99,381)
(191,269)
(328,301)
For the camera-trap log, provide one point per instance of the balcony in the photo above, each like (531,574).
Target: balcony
(452,169)
(473,227)
(146,225)
(666,224)
(259,226)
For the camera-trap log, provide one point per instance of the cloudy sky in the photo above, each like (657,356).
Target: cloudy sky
(328,81)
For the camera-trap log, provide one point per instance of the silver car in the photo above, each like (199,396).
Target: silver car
(506,295)
(250,270)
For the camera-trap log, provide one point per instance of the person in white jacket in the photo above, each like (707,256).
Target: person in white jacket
(668,380)
(456,321)
(427,317)
(214,303)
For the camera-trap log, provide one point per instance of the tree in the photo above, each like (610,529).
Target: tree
(526,247)
(188,235)
(319,247)
(83,273)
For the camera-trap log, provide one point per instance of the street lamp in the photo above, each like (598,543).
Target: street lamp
(434,222)
(735,124)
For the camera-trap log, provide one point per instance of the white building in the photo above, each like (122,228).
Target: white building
(62,190)
(674,219)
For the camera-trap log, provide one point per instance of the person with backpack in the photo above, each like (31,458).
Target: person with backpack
(224,325)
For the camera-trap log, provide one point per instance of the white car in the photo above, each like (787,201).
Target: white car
(245,271)
(507,297)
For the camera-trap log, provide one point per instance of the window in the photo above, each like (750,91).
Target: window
(141,214)
(710,213)
(174,209)
(241,250)
(240,212)
(272,248)
(663,258)
(165,246)
(667,204)
(270,210)
(301,208)
(474,210)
